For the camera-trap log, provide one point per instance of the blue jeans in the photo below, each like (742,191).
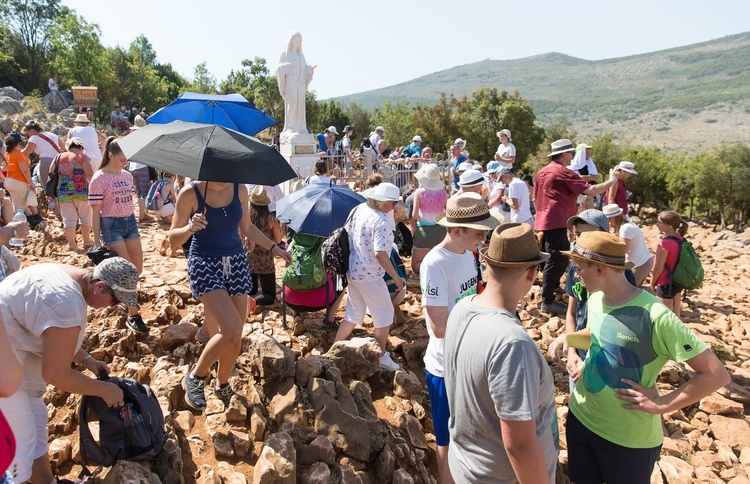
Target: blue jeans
(119,229)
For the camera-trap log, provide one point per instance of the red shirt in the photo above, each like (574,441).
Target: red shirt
(621,197)
(673,253)
(556,191)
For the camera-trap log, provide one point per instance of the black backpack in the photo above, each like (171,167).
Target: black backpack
(133,432)
(365,144)
(404,240)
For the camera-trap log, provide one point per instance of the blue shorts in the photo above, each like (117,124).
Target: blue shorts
(440,411)
(119,229)
(230,273)
(594,459)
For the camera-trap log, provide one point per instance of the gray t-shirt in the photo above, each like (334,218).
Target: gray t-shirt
(494,371)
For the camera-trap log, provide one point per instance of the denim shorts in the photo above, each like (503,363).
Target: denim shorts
(119,229)
(230,273)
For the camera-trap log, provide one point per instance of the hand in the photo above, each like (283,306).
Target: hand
(95,366)
(22,229)
(279,252)
(640,398)
(614,173)
(557,347)
(575,364)
(112,395)
(198,222)
(399,284)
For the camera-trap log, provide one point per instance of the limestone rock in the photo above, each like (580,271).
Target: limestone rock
(243,446)
(285,405)
(308,367)
(277,462)
(268,359)
(318,473)
(733,431)
(59,452)
(11,92)
(385,464)
(9,106)
(222,445)
(257,425)
(236,412)
(319,450)
(402,477)
(675,470)
(168,462)
(407,385)
(228,475)
(413,429)
(184,420)
(177,335)
(130,472)
(356,358)
(208,475)
(715,404)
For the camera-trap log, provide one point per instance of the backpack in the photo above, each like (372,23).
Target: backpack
(398,264)
(404,240)
(158,195)
(306,270)
(133,432)
(688,270)
(336,251)
(365,144)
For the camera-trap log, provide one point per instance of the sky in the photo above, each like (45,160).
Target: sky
(359,46)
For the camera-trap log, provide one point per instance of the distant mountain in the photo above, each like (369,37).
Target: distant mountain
(659,97)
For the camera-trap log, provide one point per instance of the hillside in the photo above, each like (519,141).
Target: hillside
(662,98)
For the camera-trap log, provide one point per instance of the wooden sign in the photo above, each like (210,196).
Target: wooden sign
(85,97)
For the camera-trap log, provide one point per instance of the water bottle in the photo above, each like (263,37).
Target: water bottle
(18,241)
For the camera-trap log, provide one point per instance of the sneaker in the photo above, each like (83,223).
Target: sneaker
(387,363)
(200,337)
(554,308)
(195,395)
(224,393)
(136,324)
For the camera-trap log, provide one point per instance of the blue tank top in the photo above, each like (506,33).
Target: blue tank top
(221,236)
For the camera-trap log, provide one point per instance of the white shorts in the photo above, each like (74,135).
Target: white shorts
(27,417)
(72,212)
(372,295)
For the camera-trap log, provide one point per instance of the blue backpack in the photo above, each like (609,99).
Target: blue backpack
(158,195)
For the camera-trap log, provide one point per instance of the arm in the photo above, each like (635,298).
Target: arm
(384,259)
(594,190)
(254,234)
(574,365)
(30,147)
(524,452)
(10,377)
(513,202)
(186,205)
(710,375)
(96,224)
(57,355)
(612,192)
(274,228)
(437,317)
(24,167)
(660,262)
(496,199)
(415,212)
(580,339)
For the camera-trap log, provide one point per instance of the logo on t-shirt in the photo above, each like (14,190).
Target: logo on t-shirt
(430,291)
(687,347)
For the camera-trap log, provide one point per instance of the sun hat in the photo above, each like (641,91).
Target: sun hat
(465,153)
(561,146)
(466,165)
(75,141)
(332,129)
(385,192)
(513,245)
(582,146)
(612,210)
(296,185)
(593,217)
(380,128)
(467,210)
(506,132)
(627,166)
(417,138)
(82,118)
(470,178)
(493,167)
(460,141)
(259,196)
(601,248)
(138,122)
(429,177)
(122,277)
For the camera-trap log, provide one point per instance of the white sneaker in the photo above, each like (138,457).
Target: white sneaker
(387,363)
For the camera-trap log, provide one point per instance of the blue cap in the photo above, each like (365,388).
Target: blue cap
(493,166)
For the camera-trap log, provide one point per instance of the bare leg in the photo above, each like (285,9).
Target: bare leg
(225,345)
(381,334)
(70,236)
(86,233)
(41,471)
(417,256)
(7,211)
(345,329)
(443,469)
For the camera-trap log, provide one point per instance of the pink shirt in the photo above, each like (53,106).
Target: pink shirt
(431,204)
(114,192)
(673,253)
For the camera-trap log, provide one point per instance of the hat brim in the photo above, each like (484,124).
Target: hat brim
(572,221)
(629,171)
(490,223)
(472,183)
(613,214)
(561,151)
(429,184)
(262,202)
(570,255)
(541,257)
(378,197)
(129,299)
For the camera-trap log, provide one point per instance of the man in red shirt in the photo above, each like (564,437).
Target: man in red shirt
(556,190)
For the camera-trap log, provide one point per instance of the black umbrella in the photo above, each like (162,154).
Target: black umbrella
(206,152)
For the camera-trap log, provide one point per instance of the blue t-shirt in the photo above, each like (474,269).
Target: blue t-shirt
(321,142)
(411,150)
(455,165)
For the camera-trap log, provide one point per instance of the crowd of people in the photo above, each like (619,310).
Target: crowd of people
(481,235)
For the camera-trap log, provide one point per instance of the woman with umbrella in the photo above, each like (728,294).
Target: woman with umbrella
(215,213)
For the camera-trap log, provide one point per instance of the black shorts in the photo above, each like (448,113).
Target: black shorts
(593,459)
(669,291)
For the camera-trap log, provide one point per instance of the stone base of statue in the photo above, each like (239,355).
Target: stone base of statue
(300,151)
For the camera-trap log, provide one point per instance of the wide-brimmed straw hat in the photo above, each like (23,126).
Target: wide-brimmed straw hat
(82,118)
(513,245)
(385,192)
(429,177)
(259,196)
(601,248)
(467,210)
(561,146)
(612,210)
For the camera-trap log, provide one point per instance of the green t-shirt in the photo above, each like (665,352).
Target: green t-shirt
(631,341)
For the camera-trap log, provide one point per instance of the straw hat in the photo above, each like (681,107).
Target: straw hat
(259,196)
(82,118)
(561,146)
(429,177)
(612,210)
(513,245)
(467,210)
(601,248)
(296,185)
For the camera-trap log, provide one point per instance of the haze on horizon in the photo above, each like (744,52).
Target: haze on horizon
(359,47)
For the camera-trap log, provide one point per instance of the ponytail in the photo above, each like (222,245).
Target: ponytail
(110,148)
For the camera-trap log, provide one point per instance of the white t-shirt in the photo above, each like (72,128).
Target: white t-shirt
(369,232)
(32,300)
(90,143)
(445,278)
(518,189)
(374,140)
(52,84)
(320,180)
(346,145)
(43,147)
(638,253)
(506,151)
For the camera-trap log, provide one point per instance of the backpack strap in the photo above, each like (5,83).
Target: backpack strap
(45,138)
(88,444)
(679,253)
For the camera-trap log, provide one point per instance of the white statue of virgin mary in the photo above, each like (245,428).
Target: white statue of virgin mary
(293,75)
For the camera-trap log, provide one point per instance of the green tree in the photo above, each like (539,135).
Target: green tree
(359,117)
(77,53)
(30,21)
(329,113)
(203,81)
(12,73)
(173,82)
(437,123)
(396,119)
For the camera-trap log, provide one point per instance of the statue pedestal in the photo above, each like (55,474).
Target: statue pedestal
(300,151)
